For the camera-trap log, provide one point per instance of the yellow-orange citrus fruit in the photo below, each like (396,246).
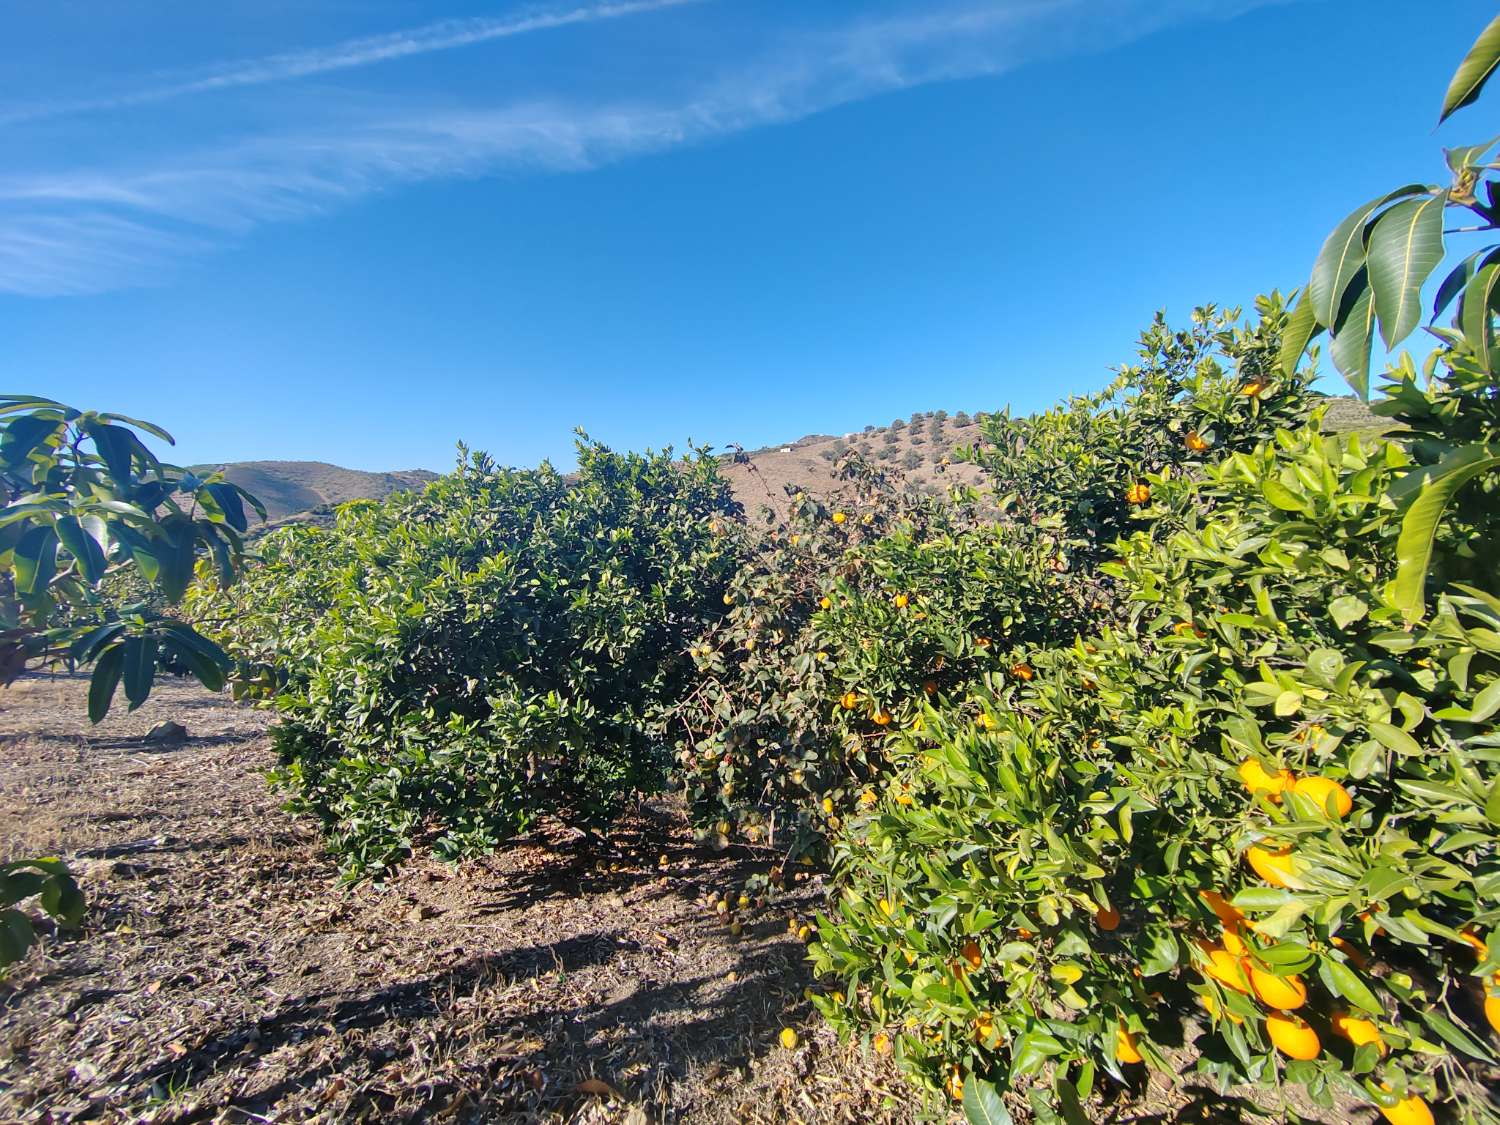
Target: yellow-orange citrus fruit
(1107,919)
(981,642)
(1138,494)
(1292,1037)
(827,804)
(881,1043)
(1358,1030)
(728,599)
(1226,968)
(1325,793)
(1258,779)
(849,701)
(1470,936)
(882,717)
(1277,866)
(1194,441)
(825,602)
(955,1085)
(971,954)
(1286,993)
(1125,1046)
(868,797)
(1022,671)
(839,517)
(788,1038)
(1233,943)
(901,600)
(1492,1011)
(1410,1110)
(1250,390)
(1227,914)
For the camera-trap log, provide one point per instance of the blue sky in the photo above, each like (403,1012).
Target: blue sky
(358,232)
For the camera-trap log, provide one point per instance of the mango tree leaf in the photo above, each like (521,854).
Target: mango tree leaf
(1343,256)
(1301,327)
(1419,525)
(106,678)
(1475,70)
(1406,245)
(1350,347)
(1477,307)
(140,669)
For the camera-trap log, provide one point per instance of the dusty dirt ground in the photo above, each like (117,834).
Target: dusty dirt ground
(223,973)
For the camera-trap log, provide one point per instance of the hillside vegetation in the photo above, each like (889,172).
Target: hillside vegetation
(289,487)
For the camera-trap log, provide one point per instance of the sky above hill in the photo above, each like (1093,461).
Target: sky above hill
(357,232)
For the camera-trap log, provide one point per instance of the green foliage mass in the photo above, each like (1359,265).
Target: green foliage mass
(449,665)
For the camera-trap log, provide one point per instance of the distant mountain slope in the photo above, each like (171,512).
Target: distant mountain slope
(289,487)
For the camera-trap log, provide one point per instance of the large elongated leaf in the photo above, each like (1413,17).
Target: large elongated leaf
(35,559)
(82,546)
(1458,278)
(1476,311)
(140,669)
(1350,347)
(1437,486)
(1301,327)
(106,678)
(1474,71)
(1406,244)
(1343,255)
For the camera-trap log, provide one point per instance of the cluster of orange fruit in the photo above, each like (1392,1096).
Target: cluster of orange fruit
(1138,494)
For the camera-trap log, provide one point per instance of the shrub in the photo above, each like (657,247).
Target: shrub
(454,663)
(1040,884)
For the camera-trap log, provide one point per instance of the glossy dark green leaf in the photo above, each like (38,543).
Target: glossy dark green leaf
(1473,72)
(81,545)
(1477,309)
(1351,343)
(982,1103)
(35,559)
(1343,257)
(1406,245)
(1438,485)
(140,668)
(1300,329)
(106,678)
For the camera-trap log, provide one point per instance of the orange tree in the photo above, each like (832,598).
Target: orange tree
(1262,806)
(450,664)
(856,612)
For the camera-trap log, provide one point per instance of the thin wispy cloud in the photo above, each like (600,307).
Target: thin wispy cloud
(199,197)
(445,35)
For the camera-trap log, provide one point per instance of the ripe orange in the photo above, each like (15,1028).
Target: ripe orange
(1470,936)
(1227,914)
(825,602)
(881,1043)
(1107,919)
(955,1085)
(1194,441)
(1325,793)
(882,717)
(839,517)
(1211,1005)
(1277,866)
(1138,494)
(788,1038)
(972,955)
(1125,1046)
(1358,1031)
(1410,1110)
(1286,993)
(1022,671)
(728,599)
(827,804)
(1292,1036)
(849,701)
(1258,779)
(901,600)
(1492,1011)
(1227,969)
(1251,389)
(1233,943)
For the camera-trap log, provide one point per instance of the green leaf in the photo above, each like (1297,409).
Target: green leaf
(1486,703)
(1475,70)
(140,669)
(106,678)
(35,559)
(1476,309)
(1346,610)
(1301,327)
(982,1104)
(1396,739)
(1350,346)
(1437,486)
(1406,245)
(82,546)
(1458,277)
(1343,256)
(1345,981)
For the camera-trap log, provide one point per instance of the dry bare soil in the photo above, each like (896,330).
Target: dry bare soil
(224,974)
